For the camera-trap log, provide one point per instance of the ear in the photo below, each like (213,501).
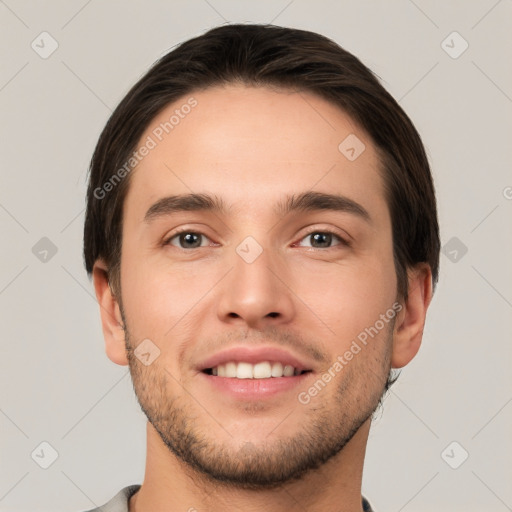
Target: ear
(111,320)
(410,321)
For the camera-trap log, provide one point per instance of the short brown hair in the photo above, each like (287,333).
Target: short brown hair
(268,55)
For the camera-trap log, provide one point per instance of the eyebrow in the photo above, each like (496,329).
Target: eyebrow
(184,203)
(315,201)
(306,201)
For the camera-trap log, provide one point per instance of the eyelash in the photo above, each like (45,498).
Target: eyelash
(343,241)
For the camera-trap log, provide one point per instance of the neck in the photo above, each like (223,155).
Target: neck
(171,485)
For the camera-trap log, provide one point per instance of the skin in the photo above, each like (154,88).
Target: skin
(252,147)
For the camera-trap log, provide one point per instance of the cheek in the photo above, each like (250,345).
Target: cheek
(348,299)
(158,296)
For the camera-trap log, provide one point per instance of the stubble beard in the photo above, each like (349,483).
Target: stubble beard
(325,429)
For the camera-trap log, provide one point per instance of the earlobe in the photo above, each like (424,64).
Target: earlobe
(111,320)
(410,321)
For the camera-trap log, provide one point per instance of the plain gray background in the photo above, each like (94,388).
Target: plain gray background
(58,386)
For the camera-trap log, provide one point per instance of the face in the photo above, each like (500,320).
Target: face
(283,276)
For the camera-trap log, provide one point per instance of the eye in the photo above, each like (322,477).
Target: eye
(187,240)
(323,239)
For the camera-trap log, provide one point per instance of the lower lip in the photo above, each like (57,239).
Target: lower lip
(254,389)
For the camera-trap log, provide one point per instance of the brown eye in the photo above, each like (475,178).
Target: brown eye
(323,240)
(187,240)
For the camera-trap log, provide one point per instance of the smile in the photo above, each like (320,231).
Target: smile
(261,370)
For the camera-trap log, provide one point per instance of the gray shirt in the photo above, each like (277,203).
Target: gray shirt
(119,503)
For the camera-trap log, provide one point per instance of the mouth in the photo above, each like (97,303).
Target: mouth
(260,370)
(254,372)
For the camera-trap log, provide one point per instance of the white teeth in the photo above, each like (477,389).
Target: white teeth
(277,370)
(263,370)
(288,370)
(243,371)
(230,370)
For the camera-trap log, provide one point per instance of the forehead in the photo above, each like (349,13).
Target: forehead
(249,145)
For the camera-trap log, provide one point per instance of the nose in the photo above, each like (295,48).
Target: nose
(257,294)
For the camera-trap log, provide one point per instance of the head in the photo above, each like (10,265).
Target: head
(309,220)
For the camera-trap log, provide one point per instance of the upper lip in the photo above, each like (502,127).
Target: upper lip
(254,355)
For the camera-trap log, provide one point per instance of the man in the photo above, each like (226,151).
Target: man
(262,234)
